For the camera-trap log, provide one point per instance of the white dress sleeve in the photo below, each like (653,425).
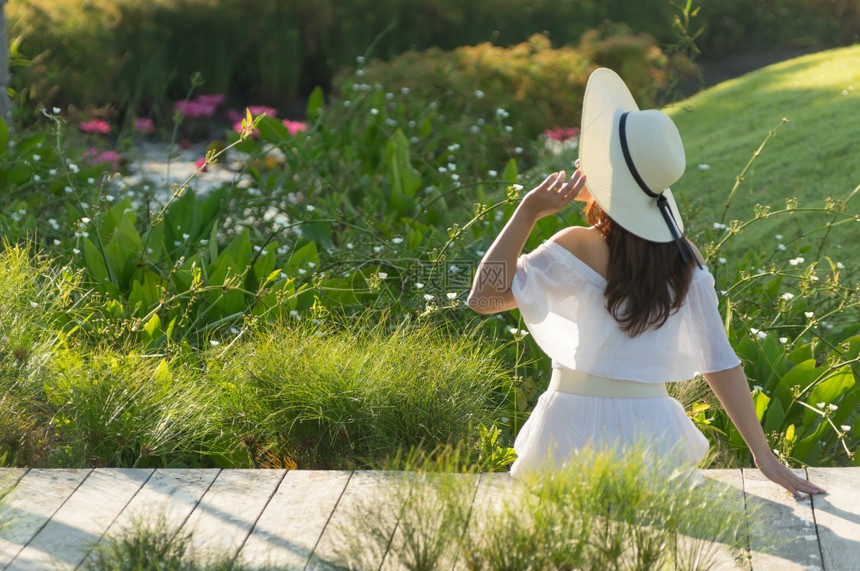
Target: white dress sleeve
(551,293)
(711,348)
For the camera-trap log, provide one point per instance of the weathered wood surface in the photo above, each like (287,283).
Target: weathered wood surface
(51,519)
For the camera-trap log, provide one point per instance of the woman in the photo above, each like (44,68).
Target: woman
(621,307)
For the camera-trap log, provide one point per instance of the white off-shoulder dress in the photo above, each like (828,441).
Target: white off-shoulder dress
(561,301)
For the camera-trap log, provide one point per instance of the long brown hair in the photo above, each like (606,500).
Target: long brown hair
(647,281)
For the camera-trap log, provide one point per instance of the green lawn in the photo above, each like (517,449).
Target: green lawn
(813,156)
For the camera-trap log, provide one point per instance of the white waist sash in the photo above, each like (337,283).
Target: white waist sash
(581,383)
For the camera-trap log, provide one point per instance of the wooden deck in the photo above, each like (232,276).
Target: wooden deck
(51,519)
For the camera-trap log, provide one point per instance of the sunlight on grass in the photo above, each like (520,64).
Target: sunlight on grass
(811,157)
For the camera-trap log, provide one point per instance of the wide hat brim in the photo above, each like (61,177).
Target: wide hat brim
(608,177)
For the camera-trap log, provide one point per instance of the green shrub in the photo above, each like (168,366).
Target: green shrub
(541,87)
(331,396)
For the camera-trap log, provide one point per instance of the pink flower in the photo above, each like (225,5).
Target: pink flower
(201,163)
(144,125)
(260,109)
(195,109)
(237,126)
(95,126)
(96,157)
(561,133)
(214,99)
(295,126)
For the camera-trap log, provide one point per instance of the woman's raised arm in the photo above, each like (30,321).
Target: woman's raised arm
(491,287)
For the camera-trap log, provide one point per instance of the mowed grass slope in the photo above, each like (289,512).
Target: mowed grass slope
(813,156)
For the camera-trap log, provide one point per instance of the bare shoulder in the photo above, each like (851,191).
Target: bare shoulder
(587,244)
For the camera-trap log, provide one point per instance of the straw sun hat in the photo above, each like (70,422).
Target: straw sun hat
(630,159)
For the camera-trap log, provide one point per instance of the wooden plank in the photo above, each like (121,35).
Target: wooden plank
(167,498)
(29,506)
(9,478)
(294,519)
(228,511)
(362,524)
(433,521)
(496,492)
(837,516)
(76,527)
(705,553)
(782,529)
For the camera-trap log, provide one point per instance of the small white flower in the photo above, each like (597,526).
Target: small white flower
(845,428)
(396,240)
(442,169)
(452,167)
(453,269)
(234,331)
(404,90)
(33,304)
(809,314)
(52,172)
(359,60)
(56,110)
(312,265)
(479,94)
(56,242)
(820,404)
(419,285)
(187,236)
(382,275)
(840,266)
(517,186)
(359,72)
(455,177)
(37,158)
(508,129)
(214,343)
(721,260)
(518,150)
(350,246)
(787,296)
(719,226)
(91,180)
(68,189)
(778,236)
(783,340)
(294,313)
(454,147)
(374,111)
(76,251)
(474,129)
(492,173)
(832,406)
(759,334)
(377,248)
(502,113)
(428,296)
(759,388)
(302,271)
(37,178)
(704,167)
(310,207)
(795,261)
(389,96)
(780,247)
(451,295)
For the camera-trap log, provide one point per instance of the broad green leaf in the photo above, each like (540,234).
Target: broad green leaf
(760,400)
(316,101)
(774,417)
(153,327)
(4,135)
(273,130)
(402,176)
(95,263)
(510,174)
